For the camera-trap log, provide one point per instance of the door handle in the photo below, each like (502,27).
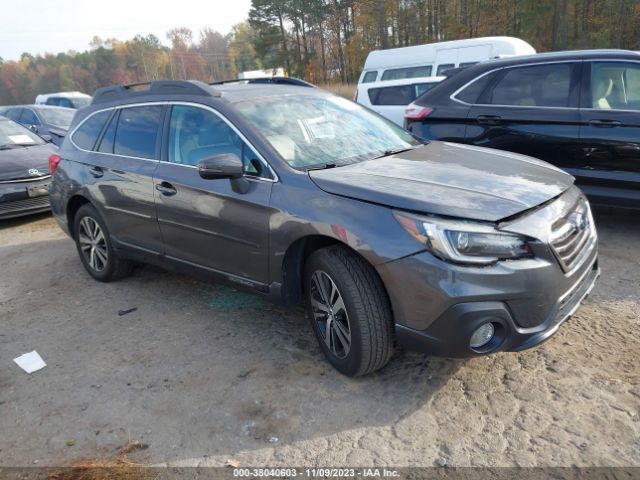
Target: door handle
(489,119)
(166,189)
(604,123)
(96,172)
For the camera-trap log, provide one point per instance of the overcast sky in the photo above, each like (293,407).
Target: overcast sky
(39,26)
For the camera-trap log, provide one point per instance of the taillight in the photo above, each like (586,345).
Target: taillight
(54,160)
(416,112)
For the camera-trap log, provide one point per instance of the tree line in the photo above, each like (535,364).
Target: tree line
(323,41)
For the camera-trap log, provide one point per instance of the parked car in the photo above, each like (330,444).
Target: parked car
(577,110)
(51,123)
(24,171)
(64,99)
(390,97)
(294,193)
(434,59)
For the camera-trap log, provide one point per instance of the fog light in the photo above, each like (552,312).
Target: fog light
(482,336)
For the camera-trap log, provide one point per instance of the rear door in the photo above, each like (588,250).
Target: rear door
(609,168)
(120,172)
(532,110)
(219,225)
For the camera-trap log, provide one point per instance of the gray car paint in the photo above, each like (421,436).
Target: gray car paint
(451,180)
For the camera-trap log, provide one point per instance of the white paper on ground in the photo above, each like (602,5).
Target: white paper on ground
(30,362)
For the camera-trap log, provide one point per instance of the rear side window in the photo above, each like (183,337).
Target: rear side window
(28,117)
(399,95)
(85,137)
(408,72)
(472,92)
(444,67)
(137,131)
(534,86)
(370,77)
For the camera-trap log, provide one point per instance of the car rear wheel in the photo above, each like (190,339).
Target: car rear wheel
(349,311)
(95,248)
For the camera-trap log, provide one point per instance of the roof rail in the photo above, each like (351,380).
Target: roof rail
(157,87)
(275,80)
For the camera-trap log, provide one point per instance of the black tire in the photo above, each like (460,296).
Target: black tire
(368,312)
(99,259)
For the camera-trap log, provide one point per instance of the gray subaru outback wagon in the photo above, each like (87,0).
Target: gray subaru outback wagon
(296,194)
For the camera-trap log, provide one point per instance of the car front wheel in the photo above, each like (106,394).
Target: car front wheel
(349,311)
(94,247)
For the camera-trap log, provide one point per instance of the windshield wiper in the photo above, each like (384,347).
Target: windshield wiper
(393,151)
(321,166)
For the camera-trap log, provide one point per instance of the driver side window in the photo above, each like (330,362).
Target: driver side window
(196,134)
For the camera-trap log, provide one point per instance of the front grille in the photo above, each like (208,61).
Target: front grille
(25,204)
(573,235)
(570,299)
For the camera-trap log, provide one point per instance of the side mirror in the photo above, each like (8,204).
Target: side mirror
(225,165)
(33,128)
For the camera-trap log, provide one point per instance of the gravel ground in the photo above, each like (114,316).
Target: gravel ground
(201,373)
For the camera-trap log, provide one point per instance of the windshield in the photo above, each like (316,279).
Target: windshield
(13,135)
(315,130)
(59,117)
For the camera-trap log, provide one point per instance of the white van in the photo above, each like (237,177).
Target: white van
(390,97)
(433,59)
(64,99)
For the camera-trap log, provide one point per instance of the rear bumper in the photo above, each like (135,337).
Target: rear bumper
(16,201)
(449,334)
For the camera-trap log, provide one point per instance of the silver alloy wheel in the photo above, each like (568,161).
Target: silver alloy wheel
(330,314)
(93,244)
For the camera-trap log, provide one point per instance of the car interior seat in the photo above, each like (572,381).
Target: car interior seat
(214,138)
(601,90)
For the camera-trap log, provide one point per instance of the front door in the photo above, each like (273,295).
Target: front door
(220,225)
(610,133)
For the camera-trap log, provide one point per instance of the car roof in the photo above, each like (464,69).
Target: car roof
(39,107)
(465,75)
(231,91)
(236,92)
(562,55)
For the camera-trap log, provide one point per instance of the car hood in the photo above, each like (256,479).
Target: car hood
(16,163)
(449,179)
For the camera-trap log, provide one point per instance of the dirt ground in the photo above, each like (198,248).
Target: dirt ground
(202,373)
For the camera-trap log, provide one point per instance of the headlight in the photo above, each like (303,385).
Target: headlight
(464,242)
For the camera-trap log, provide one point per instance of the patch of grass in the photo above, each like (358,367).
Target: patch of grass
(346,90)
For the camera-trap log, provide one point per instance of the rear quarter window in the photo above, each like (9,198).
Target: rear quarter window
(86,135)
(472,91)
